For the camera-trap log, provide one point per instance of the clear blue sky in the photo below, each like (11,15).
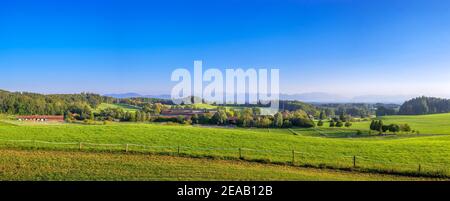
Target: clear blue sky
(345,47)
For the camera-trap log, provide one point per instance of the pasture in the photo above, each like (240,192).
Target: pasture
(404,153)
(126,108)
(85,166)
(434,124)
(426,124)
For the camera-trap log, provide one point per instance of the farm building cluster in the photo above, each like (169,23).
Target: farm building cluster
(42,118)
(168,114)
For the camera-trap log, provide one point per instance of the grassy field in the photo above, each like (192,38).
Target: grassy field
(126,108)
(402,154)
(204,106)
(425,124)
(60,165)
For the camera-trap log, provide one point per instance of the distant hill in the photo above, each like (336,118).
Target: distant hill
(313,97)
(397,99)
(136,95)
(319,97)
(124,95)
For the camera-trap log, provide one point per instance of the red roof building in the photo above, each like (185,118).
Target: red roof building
(43,118)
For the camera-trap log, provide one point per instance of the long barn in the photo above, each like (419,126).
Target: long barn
(42,118)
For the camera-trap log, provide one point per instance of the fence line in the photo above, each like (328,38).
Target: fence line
(192,148)
(189,147)
(352,160)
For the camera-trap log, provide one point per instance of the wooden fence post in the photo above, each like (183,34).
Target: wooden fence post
(126,148)
(240,153)
(80,146)
(354,161)
(293,157)
(178,150)
(420,168)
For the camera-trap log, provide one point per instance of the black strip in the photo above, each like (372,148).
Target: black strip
(280,190)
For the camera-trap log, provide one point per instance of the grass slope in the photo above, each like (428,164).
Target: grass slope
(385,153)
(59,165)
(426,124)
(126,108)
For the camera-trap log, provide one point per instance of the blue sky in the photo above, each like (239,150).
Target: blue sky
(336,46)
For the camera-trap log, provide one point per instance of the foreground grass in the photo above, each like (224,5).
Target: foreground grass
(335,147)
(431,153)
(63,165)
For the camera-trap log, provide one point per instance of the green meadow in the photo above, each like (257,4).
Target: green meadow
(86,166)
(433,124)
(125,107)
(426,124)
(427,153)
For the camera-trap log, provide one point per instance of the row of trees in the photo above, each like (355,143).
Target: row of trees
(32,103)
(78,106)
(250,117)
(385,111)
(247,117)
(298,105)
(361,110)
(139,101)
(334,123)
(378,125)
(112,114)
(337,121)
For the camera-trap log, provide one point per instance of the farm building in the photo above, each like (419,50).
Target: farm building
(42,118)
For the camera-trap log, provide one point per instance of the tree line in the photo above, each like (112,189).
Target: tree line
(337,121)
(425,105)
(24,103)
(247,117)
(379,126)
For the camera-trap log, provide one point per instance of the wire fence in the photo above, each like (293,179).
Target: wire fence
(291,157)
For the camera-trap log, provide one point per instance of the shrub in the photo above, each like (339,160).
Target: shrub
(332,124)
(181,119)
(394,128)
(303,122)
(287,124)
(320,123)
(385,128)
(405,128)
(188,122)
(348,124)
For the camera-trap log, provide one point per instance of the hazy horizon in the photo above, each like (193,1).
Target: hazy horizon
(310,97)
